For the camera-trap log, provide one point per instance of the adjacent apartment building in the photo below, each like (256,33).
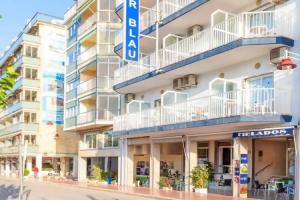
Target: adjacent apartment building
(212,91)
(35,105)
(90,102)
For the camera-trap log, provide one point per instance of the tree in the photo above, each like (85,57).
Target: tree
(7,82)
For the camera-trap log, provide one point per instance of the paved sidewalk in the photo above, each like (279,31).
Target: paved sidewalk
(146,192)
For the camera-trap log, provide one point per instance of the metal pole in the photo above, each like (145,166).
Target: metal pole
(157,35)
(20,171)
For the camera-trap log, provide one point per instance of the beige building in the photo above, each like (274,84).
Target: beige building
(90,102)
(34,114)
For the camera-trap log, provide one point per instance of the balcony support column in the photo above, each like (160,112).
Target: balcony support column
(154,165)
(39,163)
(75,167)
(241,146)
(7,167)
(212,152)
(82,168)
(29,164)
(190,162)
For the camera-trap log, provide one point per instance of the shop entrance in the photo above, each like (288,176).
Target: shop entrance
(273,168)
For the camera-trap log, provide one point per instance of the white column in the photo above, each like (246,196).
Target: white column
(7,167)
(190,162)
(39,163)
(29,164)
(63,166)
(82,168)
(297,160)
(75,167)
(212,152)
(106,164)
(154,165)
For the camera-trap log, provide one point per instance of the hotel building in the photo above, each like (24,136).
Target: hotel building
(211,92)
(90,102)
(34,114)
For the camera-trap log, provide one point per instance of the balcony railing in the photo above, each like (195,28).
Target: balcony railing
(5,150)
(260,101)
(245,25)
(70,13)
(29,105)
(87,86)
(87,55)
(86,118)
(105,83)
(89,23)
(72,94)
(107,114)
(19,127)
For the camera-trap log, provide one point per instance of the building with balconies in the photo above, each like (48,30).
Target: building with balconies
(34,111)
(90,102)
(207,90)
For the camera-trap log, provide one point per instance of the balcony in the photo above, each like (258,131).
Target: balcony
(19,127)
(71,67)
(72,94)
(88,24)
(28,105)
(70,122)
(25,60)
(95,118)
(86,118)
(212,110)
(27,83)
(81,3)
(87,56)
(13,150)
(249,25)
(87,87)
(70,13)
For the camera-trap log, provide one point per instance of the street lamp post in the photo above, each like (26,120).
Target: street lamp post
(22,160)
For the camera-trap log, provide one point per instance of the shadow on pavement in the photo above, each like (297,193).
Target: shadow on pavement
(12,192)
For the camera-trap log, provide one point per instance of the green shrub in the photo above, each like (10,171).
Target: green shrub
(26,172)
(164,182)
(200,176)
(97,173)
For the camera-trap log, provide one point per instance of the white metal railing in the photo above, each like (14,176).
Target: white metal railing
(70,13)
(259,101)
(86,86)
(90,22)
(167,7)
(107,114)
(244,25)
(87,55)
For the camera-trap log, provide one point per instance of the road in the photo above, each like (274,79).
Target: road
(50,191)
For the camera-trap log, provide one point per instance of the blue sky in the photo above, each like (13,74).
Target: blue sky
(16,12)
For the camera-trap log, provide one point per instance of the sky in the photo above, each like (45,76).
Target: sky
(16,12)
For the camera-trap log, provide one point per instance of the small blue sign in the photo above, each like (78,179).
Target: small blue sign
(265,133)
(244,179)
(244,158)
(131,30)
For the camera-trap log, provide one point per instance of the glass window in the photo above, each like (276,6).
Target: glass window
(91,141)
(110,140)
(31,51)
(33,118)
(202,153)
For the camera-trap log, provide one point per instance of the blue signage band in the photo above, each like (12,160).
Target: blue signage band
(265,133)
(131,30)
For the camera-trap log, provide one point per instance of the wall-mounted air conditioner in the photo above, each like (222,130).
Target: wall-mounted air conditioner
(189,81)
(194,29)
(178,84)
(129,97)
(277,54)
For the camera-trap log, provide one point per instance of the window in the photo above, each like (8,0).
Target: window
(110,140)
(202,152)
(31,139)
(31,51)
(30,95)
(72,56)
(73,29)
(30,117)
(31,73)
(108,107)
(71,112)
(91,141)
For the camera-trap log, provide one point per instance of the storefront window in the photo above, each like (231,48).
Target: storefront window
(142,168)
(202,152)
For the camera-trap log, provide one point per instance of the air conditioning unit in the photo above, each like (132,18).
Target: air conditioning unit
(189,81)
(277,54)
(279,1)
(129,97)
(194,29)
(178,84)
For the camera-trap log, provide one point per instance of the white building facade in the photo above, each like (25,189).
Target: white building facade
(34,112)
(215,95)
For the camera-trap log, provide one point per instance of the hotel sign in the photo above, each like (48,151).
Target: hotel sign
(265,133)
(131,30)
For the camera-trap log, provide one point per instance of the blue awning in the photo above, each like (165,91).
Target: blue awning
(277,132)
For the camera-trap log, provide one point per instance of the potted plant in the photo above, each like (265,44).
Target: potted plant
(26,173)
(165,183)
(200,177)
